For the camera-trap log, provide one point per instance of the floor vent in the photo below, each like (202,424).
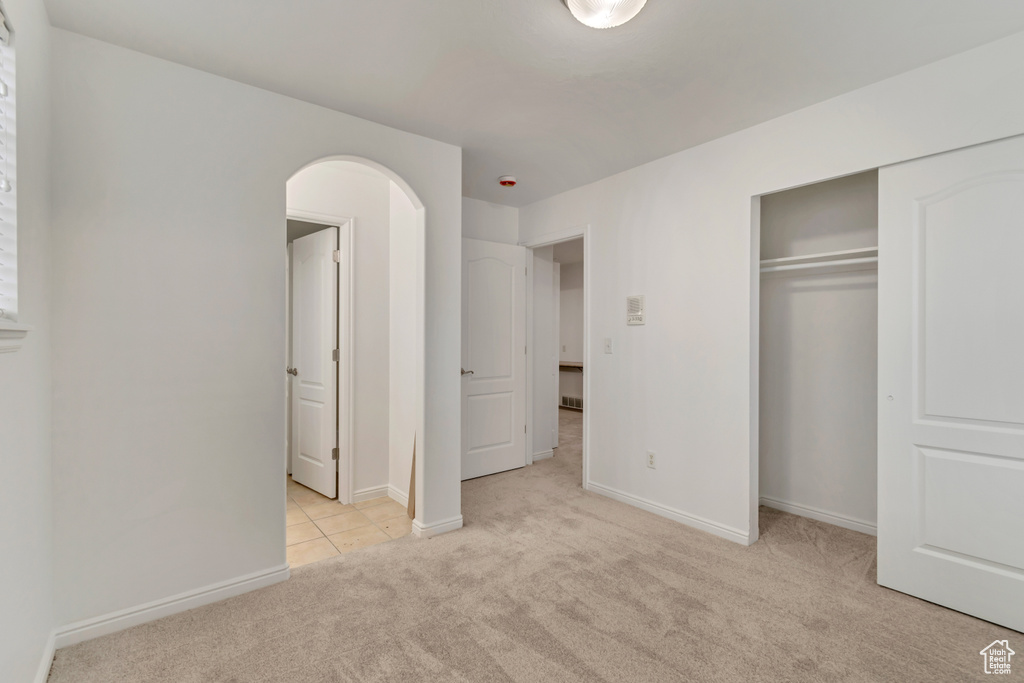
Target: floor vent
(572,402)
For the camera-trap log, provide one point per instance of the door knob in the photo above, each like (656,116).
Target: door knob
(466,372)
(293,371)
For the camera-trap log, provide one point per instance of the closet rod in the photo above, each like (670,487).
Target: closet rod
(820,264)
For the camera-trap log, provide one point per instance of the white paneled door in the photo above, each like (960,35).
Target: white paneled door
(951,379)
(493,357)
(314,370)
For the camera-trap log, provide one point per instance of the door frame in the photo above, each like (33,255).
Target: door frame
(582,231)
(346,232)
(754,483)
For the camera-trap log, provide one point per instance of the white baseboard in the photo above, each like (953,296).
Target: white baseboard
(369,494)
(396,495)
(43,672)
(437,528)
(822,516)
(726,532)
(389,491)
(122,619)
(544,455)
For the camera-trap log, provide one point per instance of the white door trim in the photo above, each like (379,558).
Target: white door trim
(288,436)
(754,482)
(545,241)
(345,225)
(530,265)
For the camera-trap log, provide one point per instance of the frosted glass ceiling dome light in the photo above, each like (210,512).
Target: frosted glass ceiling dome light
(604,13)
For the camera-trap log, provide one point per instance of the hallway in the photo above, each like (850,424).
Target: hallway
(320,527)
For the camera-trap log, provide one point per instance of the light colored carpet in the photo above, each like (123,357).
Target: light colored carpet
(550,583)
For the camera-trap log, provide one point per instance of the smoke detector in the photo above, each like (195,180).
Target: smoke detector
(507,181)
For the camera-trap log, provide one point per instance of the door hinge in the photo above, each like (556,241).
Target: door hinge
(337,255)
(524,429)
(336,355)
(334,454)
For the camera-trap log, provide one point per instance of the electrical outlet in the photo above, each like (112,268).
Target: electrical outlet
(563,348)
(650,460)
(607,345)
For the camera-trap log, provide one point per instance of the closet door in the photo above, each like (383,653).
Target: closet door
(951,380)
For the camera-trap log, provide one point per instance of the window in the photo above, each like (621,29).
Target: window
(8,205)
(11,331)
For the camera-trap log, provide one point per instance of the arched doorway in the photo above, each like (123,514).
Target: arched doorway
(354,414)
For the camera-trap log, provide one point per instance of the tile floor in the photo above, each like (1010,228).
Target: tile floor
(319,527)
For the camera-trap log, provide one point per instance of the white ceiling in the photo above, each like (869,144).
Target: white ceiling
(528,91)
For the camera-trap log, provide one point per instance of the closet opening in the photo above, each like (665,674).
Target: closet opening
(816,381)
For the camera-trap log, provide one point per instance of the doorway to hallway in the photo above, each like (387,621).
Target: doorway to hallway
(354,357)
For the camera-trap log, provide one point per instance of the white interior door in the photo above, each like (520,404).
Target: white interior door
(951,379)
(315,374)
(494,352)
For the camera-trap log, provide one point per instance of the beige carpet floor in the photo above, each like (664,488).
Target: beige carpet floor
(549,583)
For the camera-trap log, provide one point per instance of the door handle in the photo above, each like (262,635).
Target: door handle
(466,372)
(293,372)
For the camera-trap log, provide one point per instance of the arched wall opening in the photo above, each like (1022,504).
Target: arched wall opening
(380,325)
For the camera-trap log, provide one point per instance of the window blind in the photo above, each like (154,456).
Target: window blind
(8,175)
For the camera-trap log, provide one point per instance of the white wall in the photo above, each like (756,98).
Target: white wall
(545,352)
(492,222)
(168,220)
(570,383)
(680,231)
(338,188)
(821,217)
(406,403)
(819,356)
(26,529)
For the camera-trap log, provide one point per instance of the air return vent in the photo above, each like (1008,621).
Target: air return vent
(572,402)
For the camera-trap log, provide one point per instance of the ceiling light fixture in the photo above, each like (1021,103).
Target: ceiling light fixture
(604,13)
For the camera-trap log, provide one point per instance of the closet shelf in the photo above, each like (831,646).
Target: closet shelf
(848,257)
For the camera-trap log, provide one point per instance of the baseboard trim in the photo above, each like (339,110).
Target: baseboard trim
(437,528)
(726,532)
(364,495)
(544,455)
(46,662)
(133,616)
(821,515)
(399,496)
